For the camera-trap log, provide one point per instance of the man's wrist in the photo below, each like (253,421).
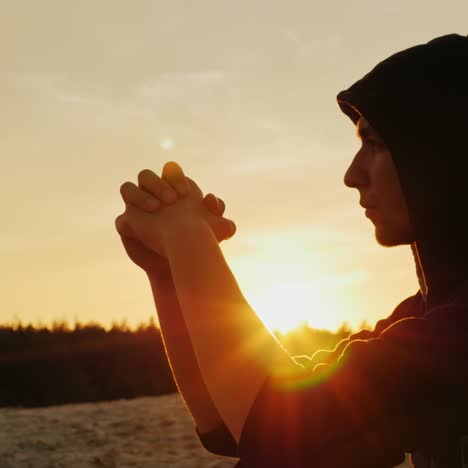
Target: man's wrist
(161,273)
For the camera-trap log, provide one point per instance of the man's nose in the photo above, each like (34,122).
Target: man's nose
(356,176)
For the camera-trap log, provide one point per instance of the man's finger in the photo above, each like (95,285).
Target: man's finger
(233,229)
(221,205)
(193,187)
(211,202)
(139,198)
(223,228)
(123,228)
(153,184)
(175,176)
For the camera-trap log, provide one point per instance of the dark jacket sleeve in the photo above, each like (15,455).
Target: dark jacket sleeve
(411,306)
(219,441)
(395,393)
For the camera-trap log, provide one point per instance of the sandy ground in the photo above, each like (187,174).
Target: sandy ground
(144,432)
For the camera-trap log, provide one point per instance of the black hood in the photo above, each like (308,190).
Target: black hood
(417,100)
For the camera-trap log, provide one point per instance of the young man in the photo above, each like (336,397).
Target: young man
(399,388)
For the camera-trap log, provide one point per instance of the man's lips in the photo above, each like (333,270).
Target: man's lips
(372,213)
(370,210)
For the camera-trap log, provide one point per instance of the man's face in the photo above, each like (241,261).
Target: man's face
(373,173)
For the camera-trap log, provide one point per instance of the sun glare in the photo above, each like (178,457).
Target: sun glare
(166,144)
(284,307)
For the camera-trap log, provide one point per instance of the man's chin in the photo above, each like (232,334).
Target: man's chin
(391,239)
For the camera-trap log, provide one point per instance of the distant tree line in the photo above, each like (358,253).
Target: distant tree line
(43,366)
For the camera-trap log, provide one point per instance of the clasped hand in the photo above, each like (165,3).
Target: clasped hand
(160,207)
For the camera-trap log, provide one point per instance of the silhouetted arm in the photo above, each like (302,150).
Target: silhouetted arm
(234,350)
(185,368)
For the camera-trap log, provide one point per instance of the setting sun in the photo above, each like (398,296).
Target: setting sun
(284,307)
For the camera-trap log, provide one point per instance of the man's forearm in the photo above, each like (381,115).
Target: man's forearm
(181,355)
(235,351)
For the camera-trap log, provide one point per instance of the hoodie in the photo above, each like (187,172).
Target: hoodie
(417,100)
(401,387)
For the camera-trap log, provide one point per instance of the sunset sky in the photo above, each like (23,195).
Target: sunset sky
(242,94)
